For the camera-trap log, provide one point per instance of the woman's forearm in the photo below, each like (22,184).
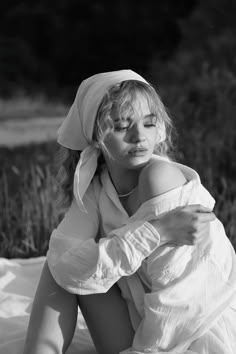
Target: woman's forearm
(85,267)
(89,267)
(53,318)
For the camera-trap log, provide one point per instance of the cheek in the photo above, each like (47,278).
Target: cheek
(113,145)
(153,138)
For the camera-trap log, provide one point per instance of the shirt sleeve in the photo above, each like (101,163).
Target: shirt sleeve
(82,266)
(191,288)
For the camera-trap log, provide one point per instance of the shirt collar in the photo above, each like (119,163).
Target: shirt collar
(110,190)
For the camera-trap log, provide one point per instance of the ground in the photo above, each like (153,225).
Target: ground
(15,132)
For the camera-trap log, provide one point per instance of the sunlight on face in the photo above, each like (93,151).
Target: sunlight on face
(138,111)
(133,140)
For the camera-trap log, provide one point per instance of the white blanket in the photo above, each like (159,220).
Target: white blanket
(18,283)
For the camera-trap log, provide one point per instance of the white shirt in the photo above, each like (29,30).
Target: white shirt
(180,299)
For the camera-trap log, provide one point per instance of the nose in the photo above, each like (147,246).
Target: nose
(137,133)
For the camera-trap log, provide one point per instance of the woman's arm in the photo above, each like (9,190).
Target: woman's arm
(184,225)
(189,290)
(86,267)
(157,178)
(54,309)
(82,266)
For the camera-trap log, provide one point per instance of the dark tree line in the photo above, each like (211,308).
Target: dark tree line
(54,44)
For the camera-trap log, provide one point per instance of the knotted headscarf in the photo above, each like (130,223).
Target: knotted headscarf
(76,131)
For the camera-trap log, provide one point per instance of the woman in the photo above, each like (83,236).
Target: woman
(81,258)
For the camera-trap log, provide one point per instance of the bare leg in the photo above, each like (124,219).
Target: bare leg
(54,314)
(53,318)
(108,321)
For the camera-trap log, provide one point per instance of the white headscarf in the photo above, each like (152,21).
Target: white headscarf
(76,131)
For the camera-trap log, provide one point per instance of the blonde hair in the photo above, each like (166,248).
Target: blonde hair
(121,97)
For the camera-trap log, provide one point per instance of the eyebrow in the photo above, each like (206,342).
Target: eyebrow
(151,115)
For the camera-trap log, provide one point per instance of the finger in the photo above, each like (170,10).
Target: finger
(202,227)
(206,217)
(197,208)
(202,233)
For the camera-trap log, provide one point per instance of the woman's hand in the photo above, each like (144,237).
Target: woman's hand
(185,225)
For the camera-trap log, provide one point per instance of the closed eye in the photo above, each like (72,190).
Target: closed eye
(150,120)
(125,123)
(122,124)
(118,129)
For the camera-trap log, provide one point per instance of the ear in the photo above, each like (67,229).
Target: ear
(161,132)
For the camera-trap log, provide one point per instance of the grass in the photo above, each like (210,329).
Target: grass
(29,210)
(202,102)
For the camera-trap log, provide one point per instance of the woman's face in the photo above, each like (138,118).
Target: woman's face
(133,140)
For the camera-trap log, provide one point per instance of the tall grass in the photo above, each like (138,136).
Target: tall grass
(201,97)
(28,188)
(199,88)
(28,208)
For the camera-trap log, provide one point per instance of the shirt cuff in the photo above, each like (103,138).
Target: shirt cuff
(145,238)
(141,234)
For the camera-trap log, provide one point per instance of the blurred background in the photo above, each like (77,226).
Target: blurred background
(186,48)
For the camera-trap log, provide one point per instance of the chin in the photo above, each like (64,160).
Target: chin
(137,163)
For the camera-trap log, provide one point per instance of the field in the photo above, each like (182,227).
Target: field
(203,110)
(28,188)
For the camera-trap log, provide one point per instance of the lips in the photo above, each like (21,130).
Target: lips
(138,151)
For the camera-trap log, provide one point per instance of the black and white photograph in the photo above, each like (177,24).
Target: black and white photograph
(117,177)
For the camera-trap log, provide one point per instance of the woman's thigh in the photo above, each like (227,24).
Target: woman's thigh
(108,320)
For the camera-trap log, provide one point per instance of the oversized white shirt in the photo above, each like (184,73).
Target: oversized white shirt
(180,299)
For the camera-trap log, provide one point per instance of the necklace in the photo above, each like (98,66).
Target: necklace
(127,194)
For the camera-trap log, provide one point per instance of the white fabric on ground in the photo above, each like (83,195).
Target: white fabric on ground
(18,283)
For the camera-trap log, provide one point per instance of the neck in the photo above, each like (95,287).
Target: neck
(124,181)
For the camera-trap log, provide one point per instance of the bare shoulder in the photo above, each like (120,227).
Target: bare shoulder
(159,177)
